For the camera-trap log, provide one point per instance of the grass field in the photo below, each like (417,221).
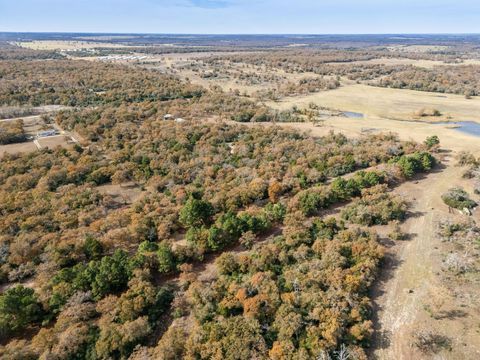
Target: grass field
(388,103)
(68,45)
(17,148)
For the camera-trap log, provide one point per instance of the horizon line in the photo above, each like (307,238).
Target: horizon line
(233,34)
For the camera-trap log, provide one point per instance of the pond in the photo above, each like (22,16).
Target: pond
(467,127)
(351,114)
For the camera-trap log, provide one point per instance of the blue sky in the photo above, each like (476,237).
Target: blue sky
(242,16)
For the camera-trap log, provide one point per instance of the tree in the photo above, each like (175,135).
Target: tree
(18,308)
(227,263)
(166,259)
(274,191)
(310,202)
(196,213)
(112,274)
(172,344)
(236,337)
(406,166)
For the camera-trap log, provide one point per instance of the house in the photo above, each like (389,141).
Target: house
(179,120)
(168,117)
(46,133)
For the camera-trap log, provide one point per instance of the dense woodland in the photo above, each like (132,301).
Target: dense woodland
(12,52)
(12,132)
(226,253)
(462,79)
(457,79)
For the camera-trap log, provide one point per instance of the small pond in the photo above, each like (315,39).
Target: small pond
(467,127)
(351,114)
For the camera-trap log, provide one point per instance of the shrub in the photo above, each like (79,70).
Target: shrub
(244,116)
(397,233)
(310,202)
(100,176)
(147,246)
(415,163)
(458,198)
(432,141)
(465,158)
(376,207)
(227,263)
(92,248)
(429,342)
(428,112)
(248,239)
(275,212)
(198,236)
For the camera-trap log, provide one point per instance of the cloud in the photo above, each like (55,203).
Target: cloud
(211,4)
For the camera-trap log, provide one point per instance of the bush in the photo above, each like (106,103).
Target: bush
(147,246)
(429,342)
(376,207)
(100,176)
(227,263)
(458,198)
(465,158)
(310,202)
(346,189)
(428,112)
(244,116)
(92,248)
(198,236)
(397,233)
(415,163)
(248,239)
(432,141)
(275,212)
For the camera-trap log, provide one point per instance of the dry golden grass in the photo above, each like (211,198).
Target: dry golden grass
(388,103)
(54,141)
(17,148)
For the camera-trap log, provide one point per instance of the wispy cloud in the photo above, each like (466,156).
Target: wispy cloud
(211,4)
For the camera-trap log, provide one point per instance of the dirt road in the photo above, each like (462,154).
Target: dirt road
(411,283)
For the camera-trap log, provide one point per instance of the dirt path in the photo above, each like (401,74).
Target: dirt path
(410,275)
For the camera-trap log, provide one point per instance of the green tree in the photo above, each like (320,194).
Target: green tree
(92,248)
(196,213)
(407,166)
(166,259)
(112,274)
(310,202)
(19,307)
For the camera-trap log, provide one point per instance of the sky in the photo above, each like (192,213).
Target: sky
(242,16)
